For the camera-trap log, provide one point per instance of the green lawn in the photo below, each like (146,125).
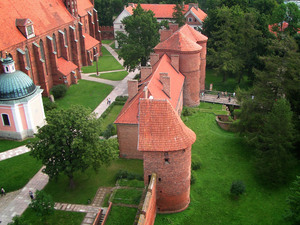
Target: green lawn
(229,85)
(86,93)
(59,217)
(128,196)
(225,158)
(105,63)
(112,115)
(131,183)
(120,75)
(107,41)
(17,171)
(87,183)
(121,215)
(9,144)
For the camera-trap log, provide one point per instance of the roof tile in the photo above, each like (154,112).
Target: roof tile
(65,67)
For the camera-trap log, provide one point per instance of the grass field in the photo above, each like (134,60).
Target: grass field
(87,183)
(105,63)
(17,171)
(225,158)
(111,117)
(121,215)
(9,144)
(229,85)
(128,196)
(59,217)
(86,93)
(107,41)
(120,75)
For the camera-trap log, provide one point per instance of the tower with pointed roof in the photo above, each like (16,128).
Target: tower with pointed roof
(21,105)
(166,145)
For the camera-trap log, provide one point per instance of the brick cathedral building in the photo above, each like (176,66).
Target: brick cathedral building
(50,40)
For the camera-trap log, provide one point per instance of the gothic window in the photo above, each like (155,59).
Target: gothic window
(66,37)
(29,30)
(42,49)
(5,120)
(27,58)
(54,43)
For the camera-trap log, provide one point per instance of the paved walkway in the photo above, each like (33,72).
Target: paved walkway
(13,152)
(16,203)
(221,100)
(90,210)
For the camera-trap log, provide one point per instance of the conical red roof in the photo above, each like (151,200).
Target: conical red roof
(192,33)
(160,127)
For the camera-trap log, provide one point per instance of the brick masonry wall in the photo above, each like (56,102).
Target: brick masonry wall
(223,122)
(173,171)
(128,139)
(148,212)
(107,32)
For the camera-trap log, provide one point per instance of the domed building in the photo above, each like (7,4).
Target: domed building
(21,105)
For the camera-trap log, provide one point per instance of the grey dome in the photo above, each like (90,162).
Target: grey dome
(15,85)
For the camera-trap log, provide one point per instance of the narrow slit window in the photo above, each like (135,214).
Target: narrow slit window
(5,120)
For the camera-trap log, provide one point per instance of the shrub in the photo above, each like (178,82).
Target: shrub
(48,105)
(130,176)
(110,131)
(237,188)
(18,220)
(121,98)
(137,76)
(188,111)
(59,91)
(193,177)
(42,204)
(196,164)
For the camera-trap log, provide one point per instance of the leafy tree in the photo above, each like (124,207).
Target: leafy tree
(70,142)
(140,38)
(105,12)
(289,13)
(274,142)
(178,14)
(294,202)
(42,204)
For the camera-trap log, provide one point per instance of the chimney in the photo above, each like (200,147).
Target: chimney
(173,26)
(145,72)
(154,58)
(165,34)
(195,5)
(132,88)
(175,62)
(165,80)
(146,91)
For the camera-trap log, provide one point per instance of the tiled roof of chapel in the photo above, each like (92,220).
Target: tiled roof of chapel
(160,127)
(89,41)
(45,15)
(129,113)
(65,67)
(199,13)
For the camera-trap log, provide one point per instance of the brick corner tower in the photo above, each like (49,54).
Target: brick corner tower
(166,143)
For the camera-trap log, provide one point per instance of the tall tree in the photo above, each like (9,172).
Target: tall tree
(70,142)
(140,38)
(178,14)
(105,12)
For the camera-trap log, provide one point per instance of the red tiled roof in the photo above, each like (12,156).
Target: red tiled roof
(45,15)
(179,42)
(284,26)
(129,113)
(83,6)
(159,10)
(192,34)
(90,42)
(160,127)
(199,13)
(65,67)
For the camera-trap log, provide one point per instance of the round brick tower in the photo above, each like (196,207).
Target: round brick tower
(166,143)
(189,63)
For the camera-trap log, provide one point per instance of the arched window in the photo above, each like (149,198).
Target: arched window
(54,43)
(28,64)
(42,49)
(66,37)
